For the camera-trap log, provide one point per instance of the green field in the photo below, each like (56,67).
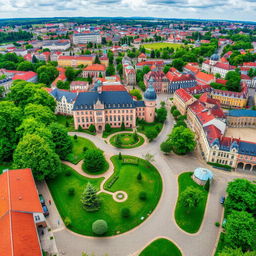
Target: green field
(157,46)
(161,247)
(81,220)
(190,221)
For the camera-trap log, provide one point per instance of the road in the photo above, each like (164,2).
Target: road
(161,223)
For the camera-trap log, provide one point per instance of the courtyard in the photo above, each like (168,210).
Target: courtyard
(247,134)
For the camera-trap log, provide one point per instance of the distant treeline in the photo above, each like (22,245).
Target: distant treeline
(15,36)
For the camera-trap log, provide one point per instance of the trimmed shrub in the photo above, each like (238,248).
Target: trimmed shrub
(107,128)
(68,173)
(80,129)
(99,227)
(94,160)
(173,108)
(67,221)
(92,128)
(122,126)
(143,196)
(217,224)
(75,137)
(120,156)
(71,191)
(139,177)
(125,212)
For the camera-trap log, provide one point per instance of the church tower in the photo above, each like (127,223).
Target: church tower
(150,103)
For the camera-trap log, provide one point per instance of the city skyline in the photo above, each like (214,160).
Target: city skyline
(243,10)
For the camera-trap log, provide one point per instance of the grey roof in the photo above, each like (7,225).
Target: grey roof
(58,94)
(139,103)
(110,99)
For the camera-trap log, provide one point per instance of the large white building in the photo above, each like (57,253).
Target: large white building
(84,38)
(57,45)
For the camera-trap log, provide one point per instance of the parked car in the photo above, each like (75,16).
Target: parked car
(45,210)
(41,198)
(222,199)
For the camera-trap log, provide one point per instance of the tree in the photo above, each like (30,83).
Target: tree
(126,213)
(182,140)
(145,70)
(120,156)
(100,227)
(122,126)
(25,66)
(110,70)
(240,231)
(151,134)
(61,139)
(251,72)
(191,197)
(92,128)
(41,113)
(10,119)
(107,128)
(50,72)
(44,78)
(90,199)
(97,60)
(94,160)
(118,141)
(161,114)
(70,73)
(217,75)
(235,252)
(143,196)
(152,54)
(136,93)
(166,147)
(178,64)
(35,153)
(2,90)
(176,113)
(139,177)
(63,85)
(135,136)
(241,196)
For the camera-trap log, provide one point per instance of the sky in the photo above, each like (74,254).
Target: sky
(199,9)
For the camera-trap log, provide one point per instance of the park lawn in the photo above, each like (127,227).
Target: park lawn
(221,244)
(189,221)
(161,247)
(4,166)
(127,140)
(81,221)
(77,151)
(157,46)
(64,120)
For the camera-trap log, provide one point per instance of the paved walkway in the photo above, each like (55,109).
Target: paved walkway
(161,223)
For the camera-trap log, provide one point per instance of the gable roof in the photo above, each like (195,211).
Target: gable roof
(18,201)
(58,94)
(183,95)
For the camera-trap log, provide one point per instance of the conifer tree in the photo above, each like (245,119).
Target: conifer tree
(90,199)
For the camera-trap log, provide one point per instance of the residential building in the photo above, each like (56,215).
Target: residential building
(129,72)
(241,118)
(57,45)
(79,86)
(84,38)
(74,61)
(94,70)
(158,79)
(65,101)
(20,214)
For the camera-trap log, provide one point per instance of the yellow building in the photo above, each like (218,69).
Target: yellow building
(74,61)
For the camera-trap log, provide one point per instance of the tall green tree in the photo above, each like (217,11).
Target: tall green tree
(90,199)
(70,73)
(41,113)
(182,140)
(10,119)
(34,152)
(61,139)
(191,197)
(240,231)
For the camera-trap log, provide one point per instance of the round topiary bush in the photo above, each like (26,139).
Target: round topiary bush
(126,213)
(71,191)
(99,227)
(94,160)
(143,196)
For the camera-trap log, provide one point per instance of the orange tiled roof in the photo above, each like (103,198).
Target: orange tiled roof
(203,76)
(18,201)
(95,67)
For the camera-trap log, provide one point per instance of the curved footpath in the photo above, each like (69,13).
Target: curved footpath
(161,223)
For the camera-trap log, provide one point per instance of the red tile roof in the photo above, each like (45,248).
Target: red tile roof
(224,66)
(207,78)
(95,67)
(212,133)
(113,88)
(183,95)
(24,75)
(75,57)
(18,201)
(205,117)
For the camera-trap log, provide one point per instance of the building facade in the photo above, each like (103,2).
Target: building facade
(84,38)
(74,61)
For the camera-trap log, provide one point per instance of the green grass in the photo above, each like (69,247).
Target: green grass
(114,130)
(220,245)
(127,140)
(144,127)
(157,46)
(78,146)
(5,166)
(189,221)
(68,122)
(110,210)
(161,247)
